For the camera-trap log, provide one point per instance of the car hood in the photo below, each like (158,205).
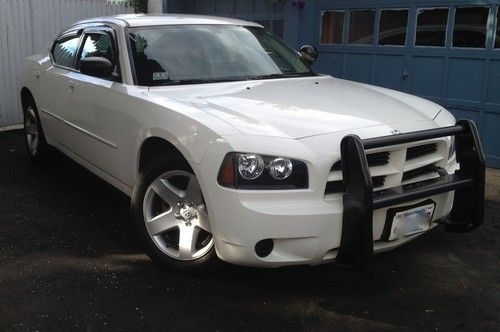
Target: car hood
(300,107)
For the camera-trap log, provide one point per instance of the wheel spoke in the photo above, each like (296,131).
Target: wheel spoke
(203,220)
(193,191)
(162,223)
(187,241)
(167,191)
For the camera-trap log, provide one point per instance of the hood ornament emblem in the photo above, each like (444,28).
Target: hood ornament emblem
(396,132)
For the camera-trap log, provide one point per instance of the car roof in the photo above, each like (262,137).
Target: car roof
(144,20)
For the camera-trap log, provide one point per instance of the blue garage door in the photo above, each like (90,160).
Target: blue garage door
(263,12)
(446,53)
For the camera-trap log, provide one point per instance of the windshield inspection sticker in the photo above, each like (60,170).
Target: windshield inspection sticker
(159,76)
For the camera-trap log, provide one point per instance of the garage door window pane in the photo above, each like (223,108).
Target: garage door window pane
(361,26)
(497,39)
(393,24)
(332,27)
(470,27)
(431,27)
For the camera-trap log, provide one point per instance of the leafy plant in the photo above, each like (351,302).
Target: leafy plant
(140,6)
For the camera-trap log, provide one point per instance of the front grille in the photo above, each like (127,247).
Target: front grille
(334,187)
(377,159)
(391,168)
(420,150)
(424,170)
(373,159)
(378,181)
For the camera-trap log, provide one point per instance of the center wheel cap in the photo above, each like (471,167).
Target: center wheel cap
(187,213)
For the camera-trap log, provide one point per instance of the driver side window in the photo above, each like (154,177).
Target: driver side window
(98,45)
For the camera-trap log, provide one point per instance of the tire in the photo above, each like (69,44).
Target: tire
(36,143)
(168,208)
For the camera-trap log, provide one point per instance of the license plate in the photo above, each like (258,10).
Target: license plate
(409,221)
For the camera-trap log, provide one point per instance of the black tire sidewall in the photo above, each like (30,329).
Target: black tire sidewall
(152,171)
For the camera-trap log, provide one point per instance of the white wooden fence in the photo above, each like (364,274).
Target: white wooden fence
(26,28)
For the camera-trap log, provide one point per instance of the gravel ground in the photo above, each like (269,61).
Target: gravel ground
(69,260)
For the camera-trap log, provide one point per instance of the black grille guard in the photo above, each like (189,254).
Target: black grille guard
(360,201)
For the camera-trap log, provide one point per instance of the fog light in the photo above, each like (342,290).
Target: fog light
(280,168)
(250,166)
(264,248)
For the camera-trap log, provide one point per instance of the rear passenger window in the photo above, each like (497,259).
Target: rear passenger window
(332,27)
(470,27)
(393,24)
(361,26)
(431,27)
(64,51)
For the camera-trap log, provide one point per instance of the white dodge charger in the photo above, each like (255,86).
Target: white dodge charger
(231,145)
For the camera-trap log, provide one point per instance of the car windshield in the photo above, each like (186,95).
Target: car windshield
(190,54)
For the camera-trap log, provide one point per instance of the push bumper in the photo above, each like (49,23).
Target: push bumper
(360,201)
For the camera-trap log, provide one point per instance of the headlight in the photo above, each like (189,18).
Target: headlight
(280,168)
(250,166)
(259,172)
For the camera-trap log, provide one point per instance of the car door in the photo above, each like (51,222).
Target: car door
(94,130)
(55,101)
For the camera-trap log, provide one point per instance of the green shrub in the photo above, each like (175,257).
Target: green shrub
(140,6)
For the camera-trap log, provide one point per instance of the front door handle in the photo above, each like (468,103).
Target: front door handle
(71,86)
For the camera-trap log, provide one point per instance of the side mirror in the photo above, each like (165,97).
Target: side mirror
(309,53)
(96,66)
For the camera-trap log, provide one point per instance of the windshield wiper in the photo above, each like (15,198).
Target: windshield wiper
(284,75)
(266,77)
(197,81)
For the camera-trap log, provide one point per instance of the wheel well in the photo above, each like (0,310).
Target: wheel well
(153,147)
(25,95)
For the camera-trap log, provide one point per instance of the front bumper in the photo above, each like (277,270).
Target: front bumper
(360,201)
(307,229)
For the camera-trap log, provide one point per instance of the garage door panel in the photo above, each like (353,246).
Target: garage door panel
(205,7)
(225,6)
(389,71)
(244,6)
(465,79)
(330,63)
(426,76)
(493,93)
(490,139)
(358,67)
(262,6)
(465,114)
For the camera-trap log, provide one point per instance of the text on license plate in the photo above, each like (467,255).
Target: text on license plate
(412,221)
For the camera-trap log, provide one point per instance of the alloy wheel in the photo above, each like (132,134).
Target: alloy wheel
(176,216)
(32,132)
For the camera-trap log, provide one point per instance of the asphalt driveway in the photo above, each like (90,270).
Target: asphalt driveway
(69,260)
